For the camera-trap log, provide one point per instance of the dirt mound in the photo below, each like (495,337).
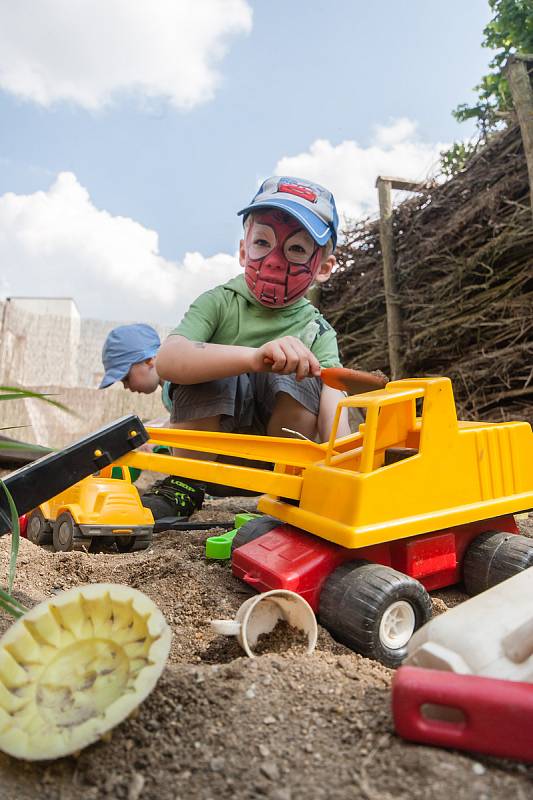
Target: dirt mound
(220,725)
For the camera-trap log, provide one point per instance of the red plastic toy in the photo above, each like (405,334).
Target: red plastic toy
(285,557)
(23,525)
(489,716)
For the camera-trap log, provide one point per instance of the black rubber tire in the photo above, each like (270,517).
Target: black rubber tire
(64,532)
(493,557)
(253,530)
(130,544)
(354,600)
(39,529)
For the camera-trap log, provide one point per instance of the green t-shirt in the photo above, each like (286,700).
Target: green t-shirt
(165,396)
(230,314)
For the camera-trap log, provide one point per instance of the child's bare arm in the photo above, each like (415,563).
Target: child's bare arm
(329,399)
(185,362)
(181,361)
(159,422)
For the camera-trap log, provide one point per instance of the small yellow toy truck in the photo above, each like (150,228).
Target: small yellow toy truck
(98,509)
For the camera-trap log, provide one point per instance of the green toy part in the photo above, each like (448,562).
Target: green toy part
(219,547)
(116,472)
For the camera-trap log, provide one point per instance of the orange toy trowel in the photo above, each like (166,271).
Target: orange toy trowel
(352,381)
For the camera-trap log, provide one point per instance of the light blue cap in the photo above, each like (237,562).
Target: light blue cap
(125,346)
(308,202)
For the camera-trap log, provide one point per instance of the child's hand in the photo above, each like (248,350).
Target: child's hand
(286,356)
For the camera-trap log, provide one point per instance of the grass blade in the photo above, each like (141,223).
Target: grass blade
(14,393)
(22,446)
(11,604)
(15,536)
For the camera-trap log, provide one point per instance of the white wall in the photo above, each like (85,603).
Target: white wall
(37,347)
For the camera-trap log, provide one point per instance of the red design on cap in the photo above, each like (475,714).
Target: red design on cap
(299,190)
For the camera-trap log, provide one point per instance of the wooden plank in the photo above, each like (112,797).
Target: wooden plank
(401,183)
(392,299)
(522,94)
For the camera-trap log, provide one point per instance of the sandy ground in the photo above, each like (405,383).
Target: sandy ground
(220,725)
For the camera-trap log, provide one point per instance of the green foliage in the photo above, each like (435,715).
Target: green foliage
(454,160)
(15,533)
(509,31)
(7,601)
(11,605)
(15,393)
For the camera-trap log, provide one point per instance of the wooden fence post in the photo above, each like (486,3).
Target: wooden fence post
(392,298)
(522,94)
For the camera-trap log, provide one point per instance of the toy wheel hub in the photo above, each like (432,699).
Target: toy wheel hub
(64,533)
(397,625)
(82,681)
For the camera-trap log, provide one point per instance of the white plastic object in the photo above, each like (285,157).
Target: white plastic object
(261,613)
(397,625)
(490,634)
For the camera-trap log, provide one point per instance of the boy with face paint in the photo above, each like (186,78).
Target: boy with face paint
(247,355)
(280,258)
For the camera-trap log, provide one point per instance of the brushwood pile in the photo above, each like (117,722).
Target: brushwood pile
(464,267)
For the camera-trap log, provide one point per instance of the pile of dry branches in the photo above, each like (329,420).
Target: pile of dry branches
(464,262)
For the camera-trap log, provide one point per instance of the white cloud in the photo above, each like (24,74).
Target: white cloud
(88,50)
(58,244)
(397,131)
(350,170)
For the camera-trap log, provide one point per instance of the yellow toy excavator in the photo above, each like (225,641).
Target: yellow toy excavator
(364,525)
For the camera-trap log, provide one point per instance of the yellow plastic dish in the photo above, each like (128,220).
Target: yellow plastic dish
(75,666)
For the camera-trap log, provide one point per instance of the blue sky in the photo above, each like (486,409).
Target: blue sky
(131,133)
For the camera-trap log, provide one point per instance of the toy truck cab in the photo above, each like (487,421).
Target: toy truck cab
(404,474)
(99,507)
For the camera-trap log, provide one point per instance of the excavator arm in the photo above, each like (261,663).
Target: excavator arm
(290,457)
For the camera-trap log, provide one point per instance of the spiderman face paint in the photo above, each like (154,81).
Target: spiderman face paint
(281,259)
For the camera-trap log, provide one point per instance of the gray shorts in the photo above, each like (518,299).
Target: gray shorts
(245,402)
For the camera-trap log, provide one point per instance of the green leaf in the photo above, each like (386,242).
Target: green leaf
(455,159)
(22,446)
(509,31)
(7,598)
(15,536)
(7,601)
(11,605)
(14,393)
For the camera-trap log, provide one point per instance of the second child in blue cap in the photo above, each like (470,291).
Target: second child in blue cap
(247,355)
(128,355)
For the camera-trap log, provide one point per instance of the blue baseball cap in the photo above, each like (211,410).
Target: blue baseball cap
(311,204)
(125,346)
